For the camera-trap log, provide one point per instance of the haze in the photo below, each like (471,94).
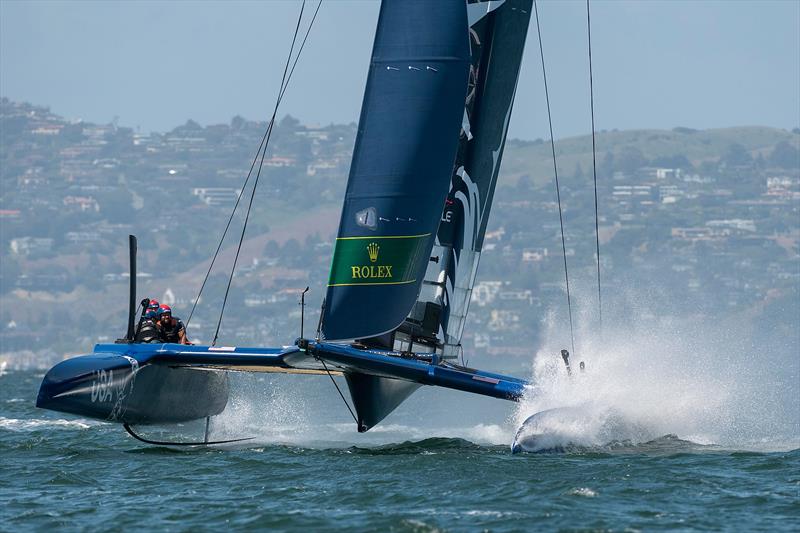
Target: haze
(154,65)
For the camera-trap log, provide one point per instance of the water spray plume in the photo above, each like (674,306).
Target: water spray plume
(704,382)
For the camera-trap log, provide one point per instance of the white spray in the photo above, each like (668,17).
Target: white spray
(646,378)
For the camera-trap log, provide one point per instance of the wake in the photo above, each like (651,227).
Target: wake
(301,411)
(39,424)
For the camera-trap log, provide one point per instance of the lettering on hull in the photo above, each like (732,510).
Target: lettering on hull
(103,386)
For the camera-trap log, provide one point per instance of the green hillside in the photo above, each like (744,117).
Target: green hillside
(534,158)
(722,233)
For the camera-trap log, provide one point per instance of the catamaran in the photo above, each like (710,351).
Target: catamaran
(430,140)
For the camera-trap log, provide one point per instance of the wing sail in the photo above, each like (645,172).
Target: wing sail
(497,38)
(400,172)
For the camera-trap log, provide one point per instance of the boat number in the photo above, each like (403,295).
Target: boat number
(102,386)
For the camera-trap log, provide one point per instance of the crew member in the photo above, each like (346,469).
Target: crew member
(148,330)
(170,329)
(565,357)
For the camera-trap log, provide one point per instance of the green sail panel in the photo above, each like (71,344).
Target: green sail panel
(388,260)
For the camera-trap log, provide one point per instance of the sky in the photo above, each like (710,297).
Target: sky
(154,65)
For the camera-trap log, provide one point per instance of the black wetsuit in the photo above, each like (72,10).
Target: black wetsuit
(171,333)
(148,331)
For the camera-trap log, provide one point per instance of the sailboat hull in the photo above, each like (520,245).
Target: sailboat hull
(158,383)
(118,388)
(393,365)
(140,384)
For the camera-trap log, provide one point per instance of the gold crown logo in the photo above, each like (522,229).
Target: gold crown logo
(372,250)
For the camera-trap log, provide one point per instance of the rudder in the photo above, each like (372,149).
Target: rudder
(374,397)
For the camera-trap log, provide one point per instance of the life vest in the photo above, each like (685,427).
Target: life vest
(170,332)
(148,332)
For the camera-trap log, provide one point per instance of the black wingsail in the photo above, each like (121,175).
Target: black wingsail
(407,141)
(497,38)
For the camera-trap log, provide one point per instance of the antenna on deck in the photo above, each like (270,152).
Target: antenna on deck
(133,326)
(132,246)
(302,310)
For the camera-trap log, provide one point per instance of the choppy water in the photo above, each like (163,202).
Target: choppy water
(64,472)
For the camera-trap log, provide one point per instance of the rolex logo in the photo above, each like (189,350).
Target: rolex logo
(372,250)
(371,272)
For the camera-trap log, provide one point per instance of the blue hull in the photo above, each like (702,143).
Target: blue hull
(169,383)
(393,365)
(145,383)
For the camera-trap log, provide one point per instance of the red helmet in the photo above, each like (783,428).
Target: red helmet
(154,305)
(164,310)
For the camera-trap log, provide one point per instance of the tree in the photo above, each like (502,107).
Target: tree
(272,249)
(289,123)
(736,155)
(673,161)
(292,252)
(785,155)
(606,168)
(630,159)
(238,123)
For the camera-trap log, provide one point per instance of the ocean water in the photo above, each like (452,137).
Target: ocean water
(425,469)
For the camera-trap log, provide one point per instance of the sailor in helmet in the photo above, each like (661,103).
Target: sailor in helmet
(148,330)
(170,328)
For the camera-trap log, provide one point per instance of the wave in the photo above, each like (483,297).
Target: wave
(663,445)
(381,439)
(429,446)
(35,424)
(300,413)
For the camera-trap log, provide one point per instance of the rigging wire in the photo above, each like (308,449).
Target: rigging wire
(594,171)
(264,138)
(346,404)
(270,129)
(225,232)
(555,172)
(339,391)
(259,154)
